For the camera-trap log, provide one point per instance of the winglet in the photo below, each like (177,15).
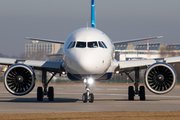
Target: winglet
(93,14)
(159,36)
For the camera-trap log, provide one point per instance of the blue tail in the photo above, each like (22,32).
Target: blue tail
(93,14)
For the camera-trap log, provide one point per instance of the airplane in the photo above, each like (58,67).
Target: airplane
(89,56)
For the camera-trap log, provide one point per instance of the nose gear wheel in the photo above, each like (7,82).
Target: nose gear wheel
(87,96)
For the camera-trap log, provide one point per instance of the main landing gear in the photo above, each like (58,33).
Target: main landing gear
(87,96)
(131,91)
(42,92)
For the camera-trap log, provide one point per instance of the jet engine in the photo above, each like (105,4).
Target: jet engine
(160,78)
(19,79)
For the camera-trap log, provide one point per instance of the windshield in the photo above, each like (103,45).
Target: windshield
(100,44)
(81,44)
(104,44)
(92,44)
(71,45)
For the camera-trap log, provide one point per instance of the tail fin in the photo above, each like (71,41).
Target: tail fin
(93,14)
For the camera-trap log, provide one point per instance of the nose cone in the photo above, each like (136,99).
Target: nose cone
(89,65)
(92,63)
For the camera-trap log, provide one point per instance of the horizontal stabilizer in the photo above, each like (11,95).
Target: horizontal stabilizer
(136,40)
(45,40)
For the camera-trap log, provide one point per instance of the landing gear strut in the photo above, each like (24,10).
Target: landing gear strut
(50,92)
(131,91)
(87,96)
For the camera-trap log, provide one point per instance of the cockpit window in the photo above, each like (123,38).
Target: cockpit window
(100,44)
(92,44)
(104,44)
(81,44)
(71,45)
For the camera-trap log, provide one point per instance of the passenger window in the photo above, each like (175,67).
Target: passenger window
(81,44)
(104,44)
(100,44)
(92,44)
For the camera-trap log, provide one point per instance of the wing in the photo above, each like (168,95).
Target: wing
(19,78)
(143,64)
(136,40)
(55,66)
(45,40)
(160,77)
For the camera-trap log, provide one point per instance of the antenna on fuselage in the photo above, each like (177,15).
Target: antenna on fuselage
(93,14)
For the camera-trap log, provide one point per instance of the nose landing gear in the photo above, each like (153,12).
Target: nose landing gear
(87,96)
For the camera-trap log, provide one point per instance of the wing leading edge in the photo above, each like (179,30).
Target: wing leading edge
(45,40)
(54,66)
(143,64)
(136,40)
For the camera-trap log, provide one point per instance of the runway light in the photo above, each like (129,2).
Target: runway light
(90,81)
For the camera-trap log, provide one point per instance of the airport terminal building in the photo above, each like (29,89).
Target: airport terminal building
(49,48)
(129,52)
(54,52)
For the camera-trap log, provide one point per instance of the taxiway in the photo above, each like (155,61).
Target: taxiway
(68,98)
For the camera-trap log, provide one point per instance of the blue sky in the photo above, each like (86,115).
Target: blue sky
(57,19)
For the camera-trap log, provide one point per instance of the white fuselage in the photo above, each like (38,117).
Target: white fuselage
(88,52)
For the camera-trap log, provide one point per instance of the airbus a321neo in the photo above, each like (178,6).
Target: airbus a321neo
(89,56)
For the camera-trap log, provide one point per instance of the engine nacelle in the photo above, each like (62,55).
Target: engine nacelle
(160,78)
(19,79)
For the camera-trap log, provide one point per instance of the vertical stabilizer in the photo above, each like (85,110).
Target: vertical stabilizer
(93,14)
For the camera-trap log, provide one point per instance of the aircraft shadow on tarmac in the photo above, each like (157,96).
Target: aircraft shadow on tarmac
(123,100)
(64,100)
(45,100)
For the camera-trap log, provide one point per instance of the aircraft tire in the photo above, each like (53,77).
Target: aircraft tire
(131,93)
(51,94)
(39,94)
(84,97)
(142,93)
(91,98)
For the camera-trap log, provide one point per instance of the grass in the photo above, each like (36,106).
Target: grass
(93,116)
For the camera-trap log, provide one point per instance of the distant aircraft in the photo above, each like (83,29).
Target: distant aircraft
(89,56)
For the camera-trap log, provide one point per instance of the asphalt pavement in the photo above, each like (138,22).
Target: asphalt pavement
(68,98)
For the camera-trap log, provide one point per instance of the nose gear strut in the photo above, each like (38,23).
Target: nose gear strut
(87,96)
